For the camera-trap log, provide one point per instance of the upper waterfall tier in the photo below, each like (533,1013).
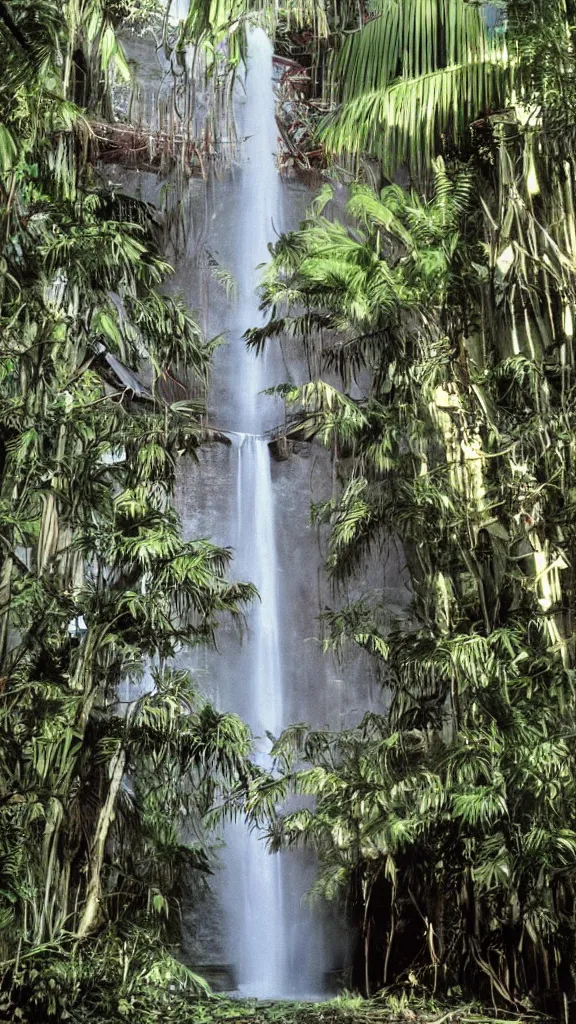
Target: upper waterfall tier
(258,217)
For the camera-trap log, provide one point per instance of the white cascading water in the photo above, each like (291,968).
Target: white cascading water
(259,219)
(262,955)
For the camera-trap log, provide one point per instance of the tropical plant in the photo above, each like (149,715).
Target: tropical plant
(417,72)
(452,816)
(106,753)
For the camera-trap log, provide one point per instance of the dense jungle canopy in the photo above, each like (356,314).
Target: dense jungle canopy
(443,291)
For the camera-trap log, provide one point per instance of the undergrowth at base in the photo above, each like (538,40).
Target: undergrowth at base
(351,1009)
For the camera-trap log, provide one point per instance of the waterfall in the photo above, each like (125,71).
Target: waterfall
(259,218)
(255,930)
(262,954)
(251,925)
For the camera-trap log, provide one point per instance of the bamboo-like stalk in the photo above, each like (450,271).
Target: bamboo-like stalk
(91,910)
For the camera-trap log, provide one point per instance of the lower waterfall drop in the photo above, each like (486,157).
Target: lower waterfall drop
(263,952)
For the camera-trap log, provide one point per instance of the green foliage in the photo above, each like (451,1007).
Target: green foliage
(448,821)
(110,761)
(217,27)
(347,1008)
(119,976)
(416,72)
(135,13)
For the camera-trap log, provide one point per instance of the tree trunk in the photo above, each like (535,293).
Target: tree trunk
(105,818)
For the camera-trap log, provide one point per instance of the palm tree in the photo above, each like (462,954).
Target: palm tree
(417,73)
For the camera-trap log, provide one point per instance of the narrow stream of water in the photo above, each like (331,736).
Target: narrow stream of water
(263,953)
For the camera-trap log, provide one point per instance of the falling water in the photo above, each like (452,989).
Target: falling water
(262,955)
(259,217)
